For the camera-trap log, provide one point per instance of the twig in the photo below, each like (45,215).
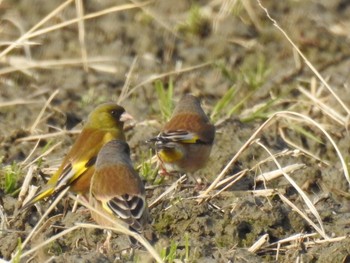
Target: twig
(307,62)
(43,21)
(36,122)
(306,199)
(168,190)
(81,29)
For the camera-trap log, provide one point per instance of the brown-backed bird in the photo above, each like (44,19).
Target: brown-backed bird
(117,190)
(185,142)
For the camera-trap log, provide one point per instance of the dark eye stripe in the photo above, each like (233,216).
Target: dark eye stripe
(116,113)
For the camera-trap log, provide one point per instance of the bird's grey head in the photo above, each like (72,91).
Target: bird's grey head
(114,151)
(189,103)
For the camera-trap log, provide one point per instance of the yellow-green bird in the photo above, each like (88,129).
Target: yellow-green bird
(117,190)
(105,123)
(184,143)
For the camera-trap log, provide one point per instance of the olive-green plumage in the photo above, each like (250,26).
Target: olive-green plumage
(104,124)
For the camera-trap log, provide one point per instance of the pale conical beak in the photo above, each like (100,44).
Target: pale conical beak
(126,117)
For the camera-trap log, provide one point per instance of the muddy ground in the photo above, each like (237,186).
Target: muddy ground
(206,48)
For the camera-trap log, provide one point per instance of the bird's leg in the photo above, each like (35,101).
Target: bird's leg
(107,243)
(106,246)
(81,197)
(75,206)
(199,183)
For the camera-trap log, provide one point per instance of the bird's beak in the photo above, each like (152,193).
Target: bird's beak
(126,117)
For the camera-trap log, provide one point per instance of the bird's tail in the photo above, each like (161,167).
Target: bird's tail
(147,233)
(41,195)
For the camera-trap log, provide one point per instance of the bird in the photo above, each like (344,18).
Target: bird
(184,143)
(104,124)
(117,190)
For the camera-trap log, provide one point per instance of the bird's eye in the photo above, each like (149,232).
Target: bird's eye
(114,113)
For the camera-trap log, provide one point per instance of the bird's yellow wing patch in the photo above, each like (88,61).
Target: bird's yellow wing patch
(105,207)
(193,139)
(71,174)
(170,155)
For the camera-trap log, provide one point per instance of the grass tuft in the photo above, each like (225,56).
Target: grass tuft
(147,172)
(255,76)
(169,253)
(165,98)
(197,24)
(223,103)
(17,257)
(10,177)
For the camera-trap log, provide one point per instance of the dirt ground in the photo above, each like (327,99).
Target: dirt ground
(208,48)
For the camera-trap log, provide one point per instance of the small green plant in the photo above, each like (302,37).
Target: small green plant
(194,19)
(306,133)
(17,257)
(187,247)
(165,98)
(146,170)
(256,76)
(224,102)
(196,24)
(55,249)
(9,180)
(262,111)
(169,254)
(225,71)
(245,84)
(174,253)
(237,8)
(91,97)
